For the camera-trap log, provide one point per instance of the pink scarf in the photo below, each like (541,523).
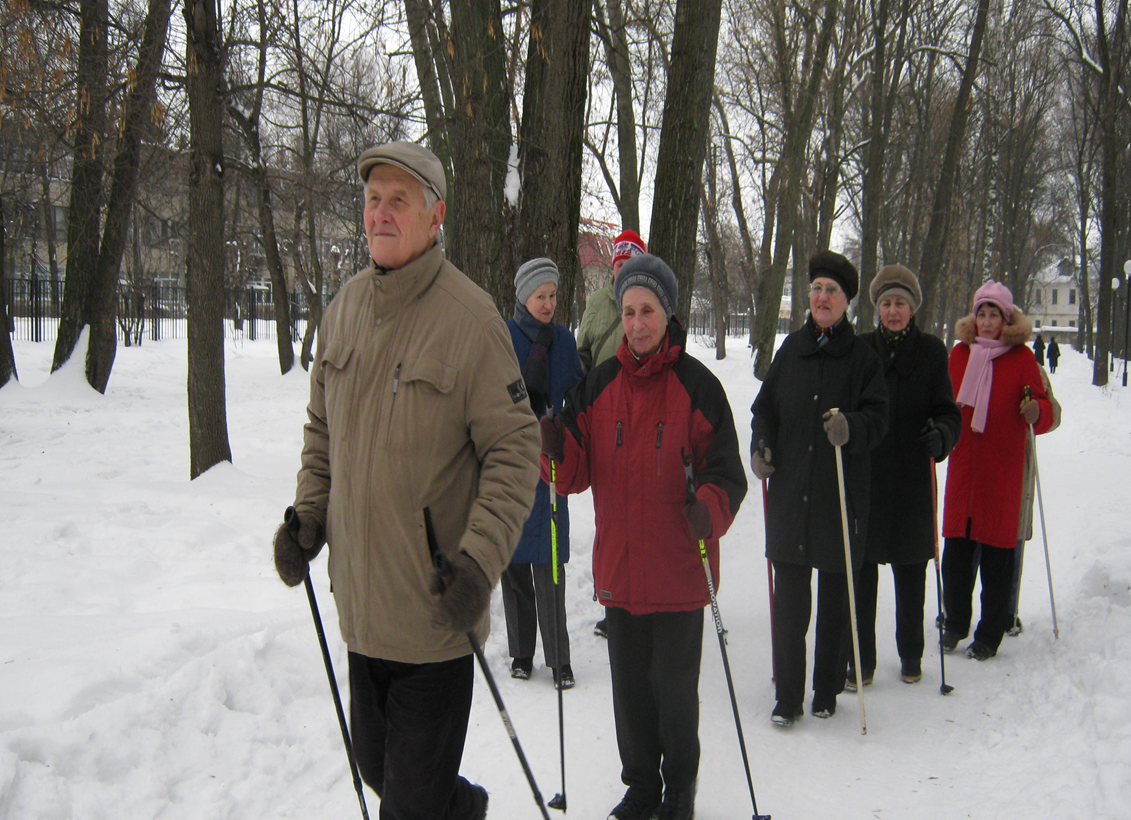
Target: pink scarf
(979,377)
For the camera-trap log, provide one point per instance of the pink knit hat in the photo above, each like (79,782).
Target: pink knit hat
(995,293)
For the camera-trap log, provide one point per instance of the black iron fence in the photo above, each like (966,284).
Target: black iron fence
(151,312)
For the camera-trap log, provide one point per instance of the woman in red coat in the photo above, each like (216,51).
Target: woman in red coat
(990,368)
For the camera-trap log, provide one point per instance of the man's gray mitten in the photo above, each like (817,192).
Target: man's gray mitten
(296,548)
(464,595)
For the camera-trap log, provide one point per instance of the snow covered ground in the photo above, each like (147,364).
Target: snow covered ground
(152,665)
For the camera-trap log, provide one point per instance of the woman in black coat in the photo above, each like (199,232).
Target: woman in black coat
(818,367)
(923,424)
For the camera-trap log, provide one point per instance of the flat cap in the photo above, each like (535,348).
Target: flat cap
(408,156)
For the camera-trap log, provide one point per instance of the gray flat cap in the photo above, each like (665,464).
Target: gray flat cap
(408,156)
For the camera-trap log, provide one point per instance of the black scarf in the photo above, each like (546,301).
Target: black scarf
(894,338)
(536,370)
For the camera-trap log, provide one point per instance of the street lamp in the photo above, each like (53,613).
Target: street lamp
(1126,317)
(1115,283)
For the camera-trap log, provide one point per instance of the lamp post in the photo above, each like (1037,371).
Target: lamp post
(1126,316)
(1115,283)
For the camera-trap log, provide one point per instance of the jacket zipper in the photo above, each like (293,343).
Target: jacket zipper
(659,441)
(620,441)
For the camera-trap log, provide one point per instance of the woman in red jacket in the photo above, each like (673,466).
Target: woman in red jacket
(990,367)
(625,432)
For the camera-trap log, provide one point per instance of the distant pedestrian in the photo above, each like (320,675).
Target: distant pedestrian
(1054,354)
(1039,350)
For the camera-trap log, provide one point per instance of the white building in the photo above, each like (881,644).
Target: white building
(1054,295)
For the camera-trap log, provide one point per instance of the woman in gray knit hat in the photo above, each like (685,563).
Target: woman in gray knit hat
(923,424)
(550,366)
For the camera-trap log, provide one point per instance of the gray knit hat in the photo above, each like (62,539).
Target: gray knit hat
(408,156)
(652,272)
(896,280)
(532,275)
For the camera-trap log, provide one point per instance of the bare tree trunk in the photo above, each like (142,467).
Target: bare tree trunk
(620,71)
(123,188)
(479,136)
(248,123)
(931,264)
(683,141)
(716,257)
(50,229)
(792,166)
(879,126)
(422,33)
(7,355)
(85,215)
(208,424)
(553,125)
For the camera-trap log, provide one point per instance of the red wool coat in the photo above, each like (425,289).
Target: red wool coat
(984,476)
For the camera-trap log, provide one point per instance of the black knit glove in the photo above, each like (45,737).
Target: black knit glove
(297,542)
(932,439)
(553,437)
(465,594)
(698,517)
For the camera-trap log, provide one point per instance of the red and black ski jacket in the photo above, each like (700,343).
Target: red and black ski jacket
(630,423)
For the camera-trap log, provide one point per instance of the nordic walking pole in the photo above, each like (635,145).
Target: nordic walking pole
(290,518)
(1044,530)
(722,642)
(559,800)
(849,578)
(769,567)
(444,569)
(940,621)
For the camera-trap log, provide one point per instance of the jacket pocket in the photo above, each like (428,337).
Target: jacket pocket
(338,368)
(419,404)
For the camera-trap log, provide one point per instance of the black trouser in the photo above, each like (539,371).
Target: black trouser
(910,593)
(408,724)
(962,560)
(528,603)
(654,664)
(793,604)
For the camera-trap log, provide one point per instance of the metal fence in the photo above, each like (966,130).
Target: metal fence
(152,312)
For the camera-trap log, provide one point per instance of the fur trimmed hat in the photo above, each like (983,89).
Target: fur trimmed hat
(628,245)
(652,272)
(896,279)
(835,266)
(995,293)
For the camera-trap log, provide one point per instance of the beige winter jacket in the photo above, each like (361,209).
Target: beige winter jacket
(416,400)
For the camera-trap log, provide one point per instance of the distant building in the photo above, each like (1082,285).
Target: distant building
(1054,295)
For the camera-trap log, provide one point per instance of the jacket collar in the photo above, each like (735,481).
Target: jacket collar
(905,352)
(670,349)
(841,336)
(406,284)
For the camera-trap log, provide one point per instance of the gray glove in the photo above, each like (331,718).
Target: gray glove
(760,463)
(464,594)
(836,428)
(297,541)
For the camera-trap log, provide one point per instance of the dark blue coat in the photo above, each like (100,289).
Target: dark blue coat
(565,371)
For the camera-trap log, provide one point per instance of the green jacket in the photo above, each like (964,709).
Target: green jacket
(600,333)
(416,400)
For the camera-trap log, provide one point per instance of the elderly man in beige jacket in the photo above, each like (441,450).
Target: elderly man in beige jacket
(416,404)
